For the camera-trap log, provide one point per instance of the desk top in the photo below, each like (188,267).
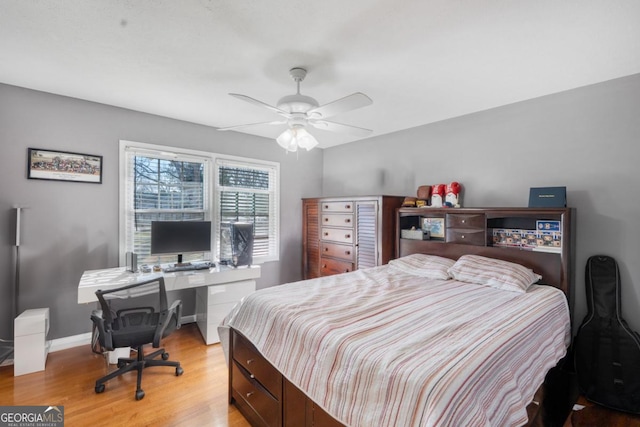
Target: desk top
(93,280)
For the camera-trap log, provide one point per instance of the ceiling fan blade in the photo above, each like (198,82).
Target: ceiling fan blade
(278,122)
(342,105)
(260,103)
(339,127)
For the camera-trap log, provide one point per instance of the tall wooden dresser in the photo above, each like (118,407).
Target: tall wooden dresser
(343,234)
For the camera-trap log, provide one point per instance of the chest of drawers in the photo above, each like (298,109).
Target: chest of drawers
(347,233)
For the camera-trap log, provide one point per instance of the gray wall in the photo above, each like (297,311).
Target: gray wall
(586,139)
(71,227)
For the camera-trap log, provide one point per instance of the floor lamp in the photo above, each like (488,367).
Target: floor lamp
(6,346)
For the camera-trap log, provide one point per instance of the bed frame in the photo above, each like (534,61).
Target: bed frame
(266,398)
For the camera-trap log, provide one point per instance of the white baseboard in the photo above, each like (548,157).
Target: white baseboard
(84,339)
(188,319)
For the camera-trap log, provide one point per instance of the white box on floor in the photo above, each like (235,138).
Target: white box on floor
(117,353)
(30,341)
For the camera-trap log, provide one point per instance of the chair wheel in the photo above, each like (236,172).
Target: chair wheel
(139,394)
(99,388)
(165,356)
(179,371)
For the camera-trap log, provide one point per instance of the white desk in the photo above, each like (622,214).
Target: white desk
(218,289)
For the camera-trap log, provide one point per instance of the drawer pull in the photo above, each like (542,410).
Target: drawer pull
(347,252)
(348,220)
(326,220)
(251,393)
(326,249)
(347,236)
(250,361)
(324,266)
(463,221)
(462,236)
(326,206)
(346,271)
(326,234)
(347,206)
(253,377)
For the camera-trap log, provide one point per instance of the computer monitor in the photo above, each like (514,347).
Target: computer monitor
(179,237)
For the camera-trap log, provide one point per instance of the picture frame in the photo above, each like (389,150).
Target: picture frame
(52,165)
(435,226)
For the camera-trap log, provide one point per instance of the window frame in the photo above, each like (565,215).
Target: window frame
(274,204)
(211,202)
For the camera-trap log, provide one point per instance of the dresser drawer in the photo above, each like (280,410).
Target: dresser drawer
(466,221)
(337,206)
(466,237)
(337,220)
(251,396)
(336,250)
(246,355)
(340,235)
(329,267)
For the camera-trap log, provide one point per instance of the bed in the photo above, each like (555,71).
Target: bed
(447,334)
(399,345)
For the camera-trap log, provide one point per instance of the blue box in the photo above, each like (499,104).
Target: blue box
(548,197)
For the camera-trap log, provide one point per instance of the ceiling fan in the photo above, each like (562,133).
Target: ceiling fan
(300,111)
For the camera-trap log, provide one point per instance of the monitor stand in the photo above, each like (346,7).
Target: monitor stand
(180,263)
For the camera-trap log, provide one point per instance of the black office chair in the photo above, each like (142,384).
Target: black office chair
(133,316)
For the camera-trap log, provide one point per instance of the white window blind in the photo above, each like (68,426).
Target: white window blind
(248,192)
(162,186)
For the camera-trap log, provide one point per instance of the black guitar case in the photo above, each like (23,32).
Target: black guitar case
(606,350)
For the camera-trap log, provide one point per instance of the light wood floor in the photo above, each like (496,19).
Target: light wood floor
(197,398)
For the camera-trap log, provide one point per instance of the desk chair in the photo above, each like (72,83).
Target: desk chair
(133,316)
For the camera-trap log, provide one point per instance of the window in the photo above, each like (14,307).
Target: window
(172,184)
(247,192)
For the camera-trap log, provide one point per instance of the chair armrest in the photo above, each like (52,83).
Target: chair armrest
(104,330)
(165,323)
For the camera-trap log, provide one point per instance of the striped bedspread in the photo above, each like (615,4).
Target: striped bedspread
(380,347)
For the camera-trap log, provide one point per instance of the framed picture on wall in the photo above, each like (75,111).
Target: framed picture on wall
(64,166)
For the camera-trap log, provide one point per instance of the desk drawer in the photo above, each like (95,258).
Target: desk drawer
(329,267)
(337,220)
(337,251)
(337,235)
(337,206)
(246,355)
(265,407)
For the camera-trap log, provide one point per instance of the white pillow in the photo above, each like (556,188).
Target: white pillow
(430,266)
(493,272)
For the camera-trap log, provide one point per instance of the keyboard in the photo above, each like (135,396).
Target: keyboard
(189,267)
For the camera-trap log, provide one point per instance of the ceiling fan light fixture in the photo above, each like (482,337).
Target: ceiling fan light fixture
(295,137)
(287,140)
(305,139)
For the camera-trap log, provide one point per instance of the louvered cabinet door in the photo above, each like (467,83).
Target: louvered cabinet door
(367,234)
(311,242)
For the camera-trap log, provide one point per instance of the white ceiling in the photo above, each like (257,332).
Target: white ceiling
(420,61)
